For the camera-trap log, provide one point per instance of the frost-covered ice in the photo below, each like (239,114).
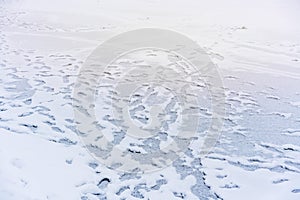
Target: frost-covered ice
(256,45)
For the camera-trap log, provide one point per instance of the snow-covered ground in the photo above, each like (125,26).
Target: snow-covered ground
(256,45)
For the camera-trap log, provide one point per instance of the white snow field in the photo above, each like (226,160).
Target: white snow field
(256,46)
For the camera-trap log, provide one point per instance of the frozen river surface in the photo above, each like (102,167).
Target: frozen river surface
(256,46)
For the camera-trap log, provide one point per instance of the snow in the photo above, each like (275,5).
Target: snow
(256,45)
